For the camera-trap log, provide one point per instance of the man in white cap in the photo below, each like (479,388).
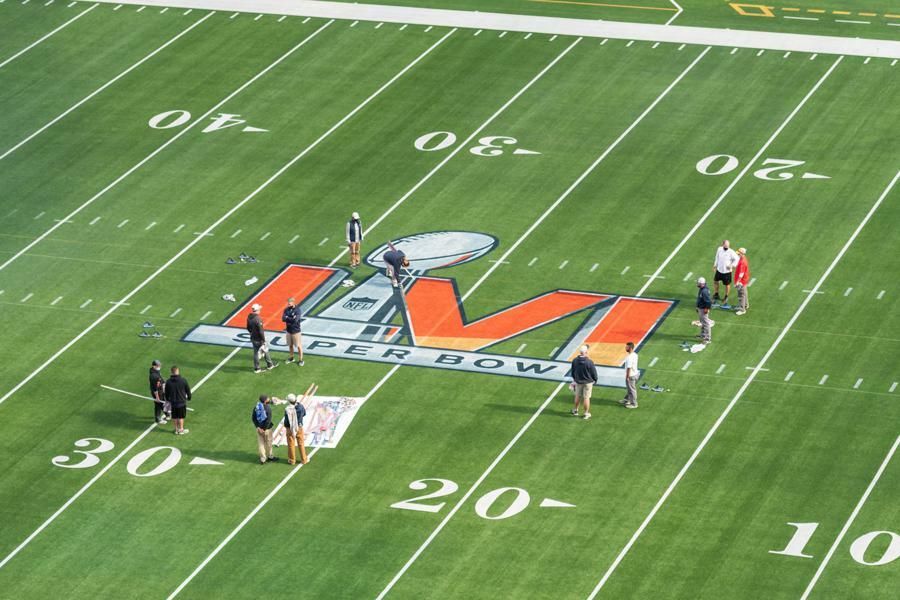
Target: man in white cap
(631,376)
(741,281)
(294,413)
(258,338)
(704,303)
(584,376)
(723,266)
(354,236)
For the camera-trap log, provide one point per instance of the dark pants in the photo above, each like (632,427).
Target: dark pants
(158,411)
(261,348)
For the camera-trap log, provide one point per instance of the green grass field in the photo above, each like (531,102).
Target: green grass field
(778,437)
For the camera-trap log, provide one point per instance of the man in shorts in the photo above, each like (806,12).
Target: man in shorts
(178,393)
(291,318)
(354,235)
(584,375)
(723,266)
(394,261)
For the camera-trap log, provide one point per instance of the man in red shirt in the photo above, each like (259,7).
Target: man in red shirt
(741,281)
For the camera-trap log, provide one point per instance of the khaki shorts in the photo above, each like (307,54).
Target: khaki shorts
(293,339)
(583,390)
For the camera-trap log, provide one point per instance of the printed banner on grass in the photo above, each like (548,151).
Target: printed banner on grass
(327,419)
(423,323)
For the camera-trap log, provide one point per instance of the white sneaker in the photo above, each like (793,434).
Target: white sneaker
(740,312)
(185,431)
(586,416)
(574,412)
(695,323)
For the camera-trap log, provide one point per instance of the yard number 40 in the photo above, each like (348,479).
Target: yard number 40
(858,549)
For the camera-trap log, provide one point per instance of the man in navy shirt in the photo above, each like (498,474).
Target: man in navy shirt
(584,376)
(354,235)
(394,260)
(291,318)
(704,303)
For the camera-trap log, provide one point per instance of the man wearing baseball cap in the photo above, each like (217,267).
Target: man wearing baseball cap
(741,281)
(291,317)
(704,303)
(157,384)
(258,339)
(354,235)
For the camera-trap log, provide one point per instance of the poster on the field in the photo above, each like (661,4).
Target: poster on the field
(327,419)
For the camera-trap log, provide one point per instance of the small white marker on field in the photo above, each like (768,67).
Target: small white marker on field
(847,291)
(206,314)
(893,62)
(783,285)
(532,261)
(760,53)
(174,314)
(405,25)
(179,228)
(85,303)
(823,380)
(354,23)
(71,4)
(654,361)
(892,388)
(594,267)
(812,292)
(141,8)
(865,62)
(116,8)
(628,45)
(94,221)
(322,243)
(187,12)
(379,26)
(563,264)
(733,51)
(681,47)
(233,16)
(686,365)
(282,18)
(502,34)
(429,28)
(49,2)
(720,369)
(752,281)
(236,233)
(528,35)
(880,295)
(654,46)
(55,302)
(164,10)
(520,348)
(40,214)
(786,54)
(688,276)
(813,57)
(258,17)
(553,38)
(150,226)
(265,235)
(858,383)
(477,32)
(604,41)
(752,368)
(305,21)
(27,298)
(554,351)
(146,308)
(789,375)
(122,224)
(293,239)
(625,270)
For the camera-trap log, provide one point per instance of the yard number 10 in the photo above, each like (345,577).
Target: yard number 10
(858,549)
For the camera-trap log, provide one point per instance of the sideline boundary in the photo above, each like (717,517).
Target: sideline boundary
(676,34)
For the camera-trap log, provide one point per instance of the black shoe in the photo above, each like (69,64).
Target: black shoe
(291,359)
(272,459)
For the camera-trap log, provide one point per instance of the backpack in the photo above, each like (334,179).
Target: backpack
(259,414)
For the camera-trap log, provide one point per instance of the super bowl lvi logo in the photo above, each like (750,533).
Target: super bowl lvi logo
(423,322)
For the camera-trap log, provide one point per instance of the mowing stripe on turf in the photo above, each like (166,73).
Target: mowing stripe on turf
(587,172)
(850,520)
(265,500)
(741,174)
(233,209)
(36,42)
(103,87)
(164,145)
(809,296)
(102,471)
(558,388)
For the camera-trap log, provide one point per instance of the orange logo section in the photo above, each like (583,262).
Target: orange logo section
(296,281)
(436,318)
(630,320)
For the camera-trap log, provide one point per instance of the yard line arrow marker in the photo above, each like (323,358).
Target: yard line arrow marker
(550,503)
(814,176)
(249,129)
(204,461)
(524,151)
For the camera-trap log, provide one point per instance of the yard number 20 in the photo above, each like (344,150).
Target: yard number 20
(719,164)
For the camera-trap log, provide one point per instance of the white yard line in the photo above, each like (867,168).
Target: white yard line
(166,144)
(558,388)
(743,172)
(101,88)
(853,515)
(46,36)
(739,393)
(554,26)
(591,168)
(101,473)
(675,16)
(231,211)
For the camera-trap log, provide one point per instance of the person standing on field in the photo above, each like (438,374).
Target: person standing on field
(292,318)
(354,236)
(723,266)
(258,338)
(294,413)
(157,385)
(262,420)
(704,303)
(178,393)
(584,374)
(631,376)
(742,281)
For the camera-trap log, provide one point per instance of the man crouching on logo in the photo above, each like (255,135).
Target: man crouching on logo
(394,260)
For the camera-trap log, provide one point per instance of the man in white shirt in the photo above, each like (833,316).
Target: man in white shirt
(726,261)
(631,376)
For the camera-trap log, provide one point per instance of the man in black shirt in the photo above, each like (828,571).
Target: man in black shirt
(258,339)
(156,392)
(178,392)
(584,374)
(394,261)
